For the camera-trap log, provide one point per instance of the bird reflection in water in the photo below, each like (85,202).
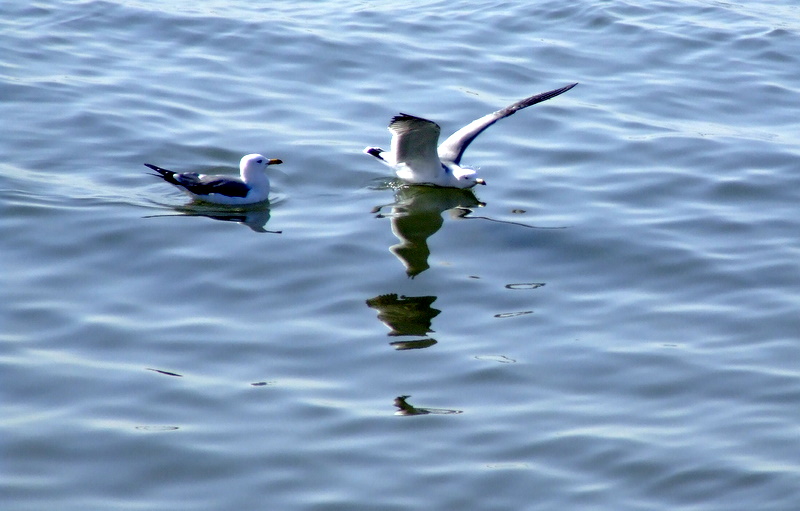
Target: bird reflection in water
(253,217)
(416,215)
(406,316)
(404,408)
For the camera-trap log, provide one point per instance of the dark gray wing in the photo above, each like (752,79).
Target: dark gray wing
(200,184)
(205,185)
(453,148)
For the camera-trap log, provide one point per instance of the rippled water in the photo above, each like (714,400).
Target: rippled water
(611,323)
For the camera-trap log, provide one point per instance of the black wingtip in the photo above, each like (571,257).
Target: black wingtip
(408,118)
(401,117)
(536,98)
(544,96)
(375,151)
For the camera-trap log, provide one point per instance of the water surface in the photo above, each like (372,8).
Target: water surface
(611,323)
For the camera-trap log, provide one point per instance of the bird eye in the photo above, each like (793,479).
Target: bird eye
(259,161)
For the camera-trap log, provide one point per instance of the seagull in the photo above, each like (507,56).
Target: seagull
(416,159)
(250,188)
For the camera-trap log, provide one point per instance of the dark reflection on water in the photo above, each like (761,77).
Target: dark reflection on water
(405,315)
(167,373)
(416,215)
(413,345)
(512,314)
(404,408)
(496,358)
(255,218)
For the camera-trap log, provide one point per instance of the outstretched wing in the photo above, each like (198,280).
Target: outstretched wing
(453,148)
(414,141)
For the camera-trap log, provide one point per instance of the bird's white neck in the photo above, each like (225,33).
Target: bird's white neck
(254,177)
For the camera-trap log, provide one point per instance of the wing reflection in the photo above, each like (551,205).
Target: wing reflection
(416,215)
(406,315)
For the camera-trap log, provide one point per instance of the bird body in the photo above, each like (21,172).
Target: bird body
(416,158)
(252,185)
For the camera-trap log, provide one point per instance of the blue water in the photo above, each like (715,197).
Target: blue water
(611,323)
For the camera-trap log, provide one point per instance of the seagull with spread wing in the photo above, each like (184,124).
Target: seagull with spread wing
(417,160)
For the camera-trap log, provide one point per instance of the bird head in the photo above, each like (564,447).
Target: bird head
(467,178)
(256,162)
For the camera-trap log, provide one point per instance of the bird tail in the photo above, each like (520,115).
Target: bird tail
(166,175)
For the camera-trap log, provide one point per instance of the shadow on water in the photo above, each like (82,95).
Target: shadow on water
(407,409)
(254,217)
(416,215)
(406,316)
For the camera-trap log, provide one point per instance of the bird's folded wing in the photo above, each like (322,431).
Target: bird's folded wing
(205,185)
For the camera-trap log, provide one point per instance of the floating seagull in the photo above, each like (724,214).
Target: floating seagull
(250,188)
(416,159)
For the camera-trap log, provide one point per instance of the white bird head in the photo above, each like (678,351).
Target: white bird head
(465,178)
(256,162)
(252,165)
